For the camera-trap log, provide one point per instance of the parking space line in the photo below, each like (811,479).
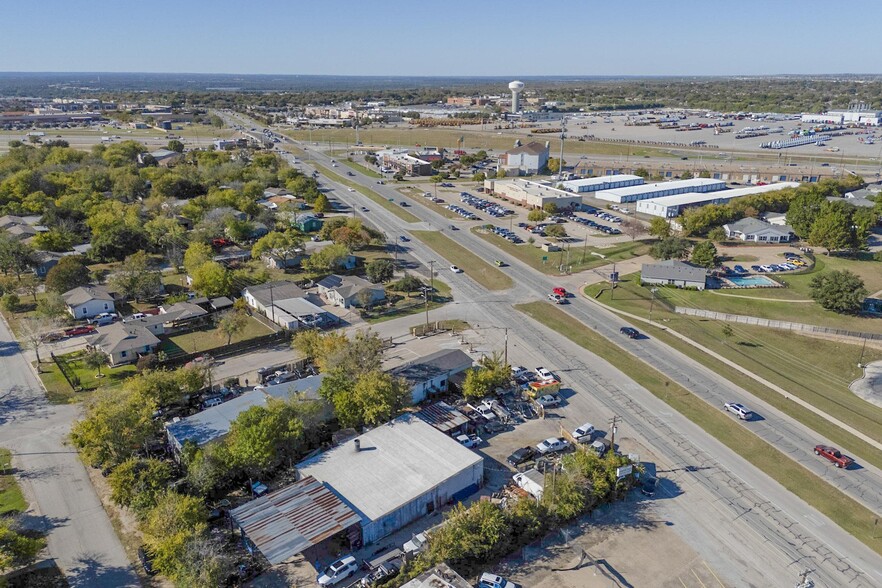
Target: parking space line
(720,582)
(697,578)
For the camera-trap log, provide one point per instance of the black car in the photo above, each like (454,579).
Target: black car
(520,456)
(146,561)
(647,488)
(631,332)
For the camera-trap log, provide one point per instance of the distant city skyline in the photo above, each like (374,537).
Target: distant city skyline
(514,38)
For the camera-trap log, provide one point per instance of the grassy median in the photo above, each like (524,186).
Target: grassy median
(840,508)
(11,499)
(475,267)
(395,209)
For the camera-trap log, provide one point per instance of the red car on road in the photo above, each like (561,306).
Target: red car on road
(833,455)
(562,292)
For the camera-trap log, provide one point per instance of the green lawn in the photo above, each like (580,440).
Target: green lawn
(210,338)
(59,391)
(843,510)
(11,499)
(416,194)
(580,257)
(392,207)
(476,268)
(410,303)
(360,168)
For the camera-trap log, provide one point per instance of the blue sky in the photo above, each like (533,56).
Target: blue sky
(450,37)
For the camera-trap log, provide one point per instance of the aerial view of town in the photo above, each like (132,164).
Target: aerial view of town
(348,295)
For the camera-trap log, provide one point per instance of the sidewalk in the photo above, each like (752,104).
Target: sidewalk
(747,373)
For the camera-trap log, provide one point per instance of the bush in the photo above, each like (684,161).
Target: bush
(11,301)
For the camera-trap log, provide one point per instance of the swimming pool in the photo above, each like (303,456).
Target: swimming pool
(752,281)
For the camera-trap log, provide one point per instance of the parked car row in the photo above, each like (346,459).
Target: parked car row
(597,226)
(507,235)
(463,212)
(490,208)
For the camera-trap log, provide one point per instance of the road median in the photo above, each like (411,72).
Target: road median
(389,205)
(473,266)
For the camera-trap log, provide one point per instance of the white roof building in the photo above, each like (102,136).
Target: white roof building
(602,183)
(645,191)
(672,206)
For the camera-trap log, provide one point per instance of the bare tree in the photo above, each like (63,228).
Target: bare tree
(633,228)
(33,332)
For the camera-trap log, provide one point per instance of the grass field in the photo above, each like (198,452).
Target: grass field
(360,168)
(210,337)
(59,391)
(395,209)
(580,257)
(412,303)
(476,268)
(843,510)
(416,194)
(11,499)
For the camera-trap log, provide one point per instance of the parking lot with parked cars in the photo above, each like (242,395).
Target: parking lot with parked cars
(491,208)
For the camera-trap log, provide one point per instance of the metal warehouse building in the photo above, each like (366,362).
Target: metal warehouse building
(635,193)
(397,473)
(602,183)
(672,206)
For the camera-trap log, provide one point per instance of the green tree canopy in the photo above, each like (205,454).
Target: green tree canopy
(379,270)
(841,291)
(670,248)
(67,274)
(704,254)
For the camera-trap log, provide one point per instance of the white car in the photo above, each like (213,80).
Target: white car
(455,269)
(739,410)
(548,401)
(519,372)
(351,189)
(417,544)
(544,374)
(493,581)
(583,433)
(338,571)
(485,411)
(552,445)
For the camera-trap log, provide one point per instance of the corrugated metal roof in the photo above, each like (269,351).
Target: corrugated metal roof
(283,523)
(442,416)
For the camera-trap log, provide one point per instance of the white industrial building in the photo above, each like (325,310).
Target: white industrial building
(673,206)
(533,194)
(397,473)
(871,118)
(602,183)
(645,191)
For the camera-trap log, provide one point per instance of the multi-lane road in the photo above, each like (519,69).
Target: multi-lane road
(761,534)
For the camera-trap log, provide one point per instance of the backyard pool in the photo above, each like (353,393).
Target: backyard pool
(753,281)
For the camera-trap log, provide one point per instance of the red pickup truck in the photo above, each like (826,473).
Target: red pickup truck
(833,454)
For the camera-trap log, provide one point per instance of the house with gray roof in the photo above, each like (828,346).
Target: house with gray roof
(343,291)
(430,374)
(757,231)
(672,272)
(262,296)
(124,342)
(88,301)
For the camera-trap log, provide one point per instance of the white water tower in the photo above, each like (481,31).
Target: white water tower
(516,88)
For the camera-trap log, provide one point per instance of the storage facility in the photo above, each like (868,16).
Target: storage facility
(601,183)
(673,206)
(397,473)
(646,191)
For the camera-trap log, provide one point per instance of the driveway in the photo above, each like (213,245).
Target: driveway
(62,501)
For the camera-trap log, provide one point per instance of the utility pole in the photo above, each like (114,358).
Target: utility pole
(506,346)
(613,422)
(863,348)
(652,302)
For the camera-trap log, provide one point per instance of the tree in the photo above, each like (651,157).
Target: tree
(170,526)
(51,306)
(16,548)
(686,175)
(231,324)
(717,234)
(116,424)
(321,204)
(53,240)
(408,283)
(803,210)
(328,258)
(379,397)
(15,256)
(841,291)
(477,384)
(500,174)
(642,172)
(556,230)
(95,358)
(479,177)
(32,333)
(704,254)
(260,436)
(217,121)
(67,274)
(11,302)
(554,164)
(660,228)
(282,245)
(135,279)
(138,483)
(196,256)
(536,215)
(670,248)
(175,145)
(632,228)
(204,564)
(831,229)
(211,279)
(550,208)
(379,270)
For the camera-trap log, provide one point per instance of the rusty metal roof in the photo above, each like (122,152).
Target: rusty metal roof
(285,522)
(442,416)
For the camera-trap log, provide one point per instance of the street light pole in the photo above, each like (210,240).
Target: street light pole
(652,303)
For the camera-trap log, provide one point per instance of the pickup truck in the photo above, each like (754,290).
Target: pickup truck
(832,454)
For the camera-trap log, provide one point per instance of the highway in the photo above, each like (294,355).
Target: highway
(726,497)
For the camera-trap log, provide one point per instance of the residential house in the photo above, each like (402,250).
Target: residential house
(124,342)
(262,296)
(45,261)
(308,223)
(88,301)
(296,313)
(672,272)
(430,374)
(165,157)
(343,291)
(752,229)
(182,312)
